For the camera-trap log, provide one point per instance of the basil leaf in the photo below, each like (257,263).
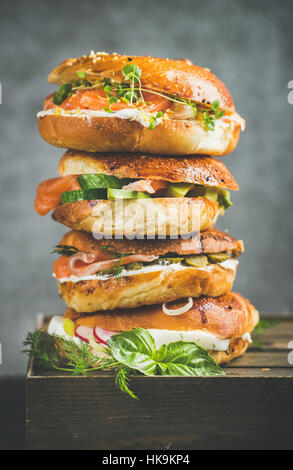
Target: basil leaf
(135,349)
(183,358)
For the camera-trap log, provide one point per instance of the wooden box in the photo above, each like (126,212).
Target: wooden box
(249,408)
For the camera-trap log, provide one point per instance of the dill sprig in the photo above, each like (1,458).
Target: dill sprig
(65,250)
(118,265)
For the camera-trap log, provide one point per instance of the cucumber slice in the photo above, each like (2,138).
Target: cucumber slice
(83,195)
(101,181)
(178,189)
(197,261)
(218,257)
(211,193)
(224,199)
(125,194)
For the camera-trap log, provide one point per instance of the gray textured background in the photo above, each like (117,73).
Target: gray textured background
(247,43)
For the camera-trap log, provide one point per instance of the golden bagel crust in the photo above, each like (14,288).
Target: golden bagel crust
(159,216)
(146,288)
(175,77)
(237,347)
(112,134)
(228,316)
(209,241)
(201,170)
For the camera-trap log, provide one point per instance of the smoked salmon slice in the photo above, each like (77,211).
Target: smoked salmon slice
(48,195)
(96,100)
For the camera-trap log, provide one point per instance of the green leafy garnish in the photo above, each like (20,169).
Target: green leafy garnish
(117,268)
(263,324)
(136,349)
(127,352)
(65,250)
(81,74)
(210,116)
(154,120)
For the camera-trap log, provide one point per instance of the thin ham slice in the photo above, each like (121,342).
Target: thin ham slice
(85,264)
(147,186)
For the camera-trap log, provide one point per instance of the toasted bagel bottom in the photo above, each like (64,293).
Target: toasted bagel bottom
(147,288)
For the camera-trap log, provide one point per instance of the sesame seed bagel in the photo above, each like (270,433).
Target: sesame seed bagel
(177,133)
(178,77)
(208,241)
(139,217)
(202,170)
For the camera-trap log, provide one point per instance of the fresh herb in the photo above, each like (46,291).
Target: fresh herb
(263,324)
(210,116)
(154,120)
(132,73)
(67,89)
(128,352)
(117,268)
(65,250)
(136,349)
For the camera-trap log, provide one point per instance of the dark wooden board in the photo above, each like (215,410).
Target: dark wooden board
(250,407)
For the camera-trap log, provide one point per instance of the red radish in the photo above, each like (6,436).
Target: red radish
(84,332)
(103,335)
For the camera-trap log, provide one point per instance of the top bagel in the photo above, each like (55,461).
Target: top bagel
(116,102)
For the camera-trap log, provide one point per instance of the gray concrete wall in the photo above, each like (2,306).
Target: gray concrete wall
(248,44)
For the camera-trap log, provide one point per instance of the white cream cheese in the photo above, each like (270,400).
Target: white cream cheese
(247,336)
(202,338)
(228,264)
(132,114)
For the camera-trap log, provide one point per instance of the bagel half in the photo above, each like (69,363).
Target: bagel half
(227,320)
(139,217)
(178,132)
(151,284)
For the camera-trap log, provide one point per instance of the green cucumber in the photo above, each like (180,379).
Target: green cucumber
(83,195)
(211,193)
(125,194)
(177,189)
(101,181)
(224,198)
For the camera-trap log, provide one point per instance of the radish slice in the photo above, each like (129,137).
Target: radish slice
(178,311)
(103,335)
(84,332)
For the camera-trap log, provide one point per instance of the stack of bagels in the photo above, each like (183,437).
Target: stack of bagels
(140,190)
